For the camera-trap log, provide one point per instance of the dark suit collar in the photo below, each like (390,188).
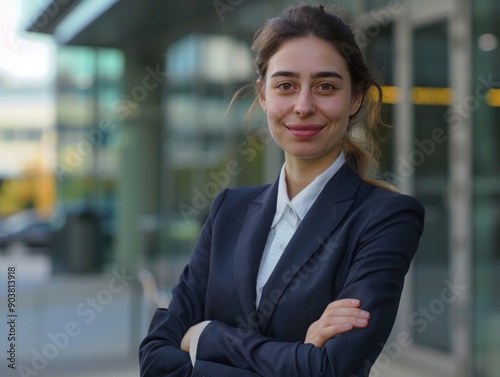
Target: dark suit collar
(321,220)
(342,186)
(250,246)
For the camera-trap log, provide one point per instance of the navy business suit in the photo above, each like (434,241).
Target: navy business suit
(356,241)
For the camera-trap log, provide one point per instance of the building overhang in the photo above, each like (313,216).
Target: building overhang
(121,23)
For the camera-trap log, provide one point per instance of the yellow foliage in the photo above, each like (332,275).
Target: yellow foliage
(34,189)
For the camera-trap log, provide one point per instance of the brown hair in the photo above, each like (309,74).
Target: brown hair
(360,143)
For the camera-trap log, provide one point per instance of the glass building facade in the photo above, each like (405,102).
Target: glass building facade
(144,127)
(486,187)
(89,83)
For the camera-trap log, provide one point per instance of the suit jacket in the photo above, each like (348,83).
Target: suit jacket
(356,241)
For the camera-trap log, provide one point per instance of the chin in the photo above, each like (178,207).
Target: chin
(305,155)
(311,154)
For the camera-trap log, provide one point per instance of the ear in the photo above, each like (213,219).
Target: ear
(356,101)
(261,89)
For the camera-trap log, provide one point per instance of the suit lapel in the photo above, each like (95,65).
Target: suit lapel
(321,220)
(250,246)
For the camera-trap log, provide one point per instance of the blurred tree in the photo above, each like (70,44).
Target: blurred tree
(35,188)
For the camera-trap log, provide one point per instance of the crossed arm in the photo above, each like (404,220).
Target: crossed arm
(339,317)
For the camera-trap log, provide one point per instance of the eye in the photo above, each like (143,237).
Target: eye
(285,86)
(326,87)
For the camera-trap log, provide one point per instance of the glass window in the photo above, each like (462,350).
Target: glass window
(89,90)
(486,202)
(429,159)
(206,148)
(380,55)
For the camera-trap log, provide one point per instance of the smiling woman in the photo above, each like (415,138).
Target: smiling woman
(302,277)
(308,104)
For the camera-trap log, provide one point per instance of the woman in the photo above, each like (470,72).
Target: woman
(302,277)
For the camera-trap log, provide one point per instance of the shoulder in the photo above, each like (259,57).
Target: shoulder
(385,202)
(386,195)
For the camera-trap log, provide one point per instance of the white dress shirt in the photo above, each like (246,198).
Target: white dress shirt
(289,214)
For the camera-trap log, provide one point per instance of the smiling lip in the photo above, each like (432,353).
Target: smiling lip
(305,131)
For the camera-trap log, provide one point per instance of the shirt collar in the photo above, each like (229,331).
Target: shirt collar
(304,200)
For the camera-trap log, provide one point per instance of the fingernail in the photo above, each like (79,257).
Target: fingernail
(361,321)
(355,302)
(365,314)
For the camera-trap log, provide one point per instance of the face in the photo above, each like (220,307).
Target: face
(308,97)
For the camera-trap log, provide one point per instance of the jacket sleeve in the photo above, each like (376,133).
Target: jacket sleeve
(159,353)
(385,249)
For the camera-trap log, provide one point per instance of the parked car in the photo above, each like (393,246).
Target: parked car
(26,229)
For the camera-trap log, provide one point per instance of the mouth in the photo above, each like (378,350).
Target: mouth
(304,131)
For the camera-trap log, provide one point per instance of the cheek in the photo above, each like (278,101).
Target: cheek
(339,110)
(276,110)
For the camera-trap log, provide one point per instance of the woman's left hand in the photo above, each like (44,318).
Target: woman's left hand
(339,316)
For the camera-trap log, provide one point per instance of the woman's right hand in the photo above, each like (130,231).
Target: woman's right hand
(339,316)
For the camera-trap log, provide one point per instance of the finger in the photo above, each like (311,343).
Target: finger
(321,336)
(345,312)
(328,332)
(346,302)
(353,321)
(331,331)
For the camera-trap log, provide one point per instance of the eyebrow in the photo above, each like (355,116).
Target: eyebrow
(313,76)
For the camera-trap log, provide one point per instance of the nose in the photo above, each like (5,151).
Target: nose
(304,103)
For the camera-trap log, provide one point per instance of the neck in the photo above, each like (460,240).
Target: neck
(301,172)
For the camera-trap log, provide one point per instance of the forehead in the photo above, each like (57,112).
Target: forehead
(307,55)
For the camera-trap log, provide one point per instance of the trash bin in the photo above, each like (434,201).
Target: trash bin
(78,243)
